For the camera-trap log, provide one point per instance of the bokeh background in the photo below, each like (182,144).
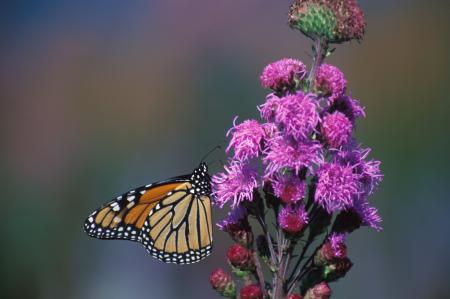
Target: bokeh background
(101,96)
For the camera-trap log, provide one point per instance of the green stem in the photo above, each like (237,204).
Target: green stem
(304,269)
(259,274)
(283,259)
(320,47)
(296,270)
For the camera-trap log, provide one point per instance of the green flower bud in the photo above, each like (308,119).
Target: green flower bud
(313,20)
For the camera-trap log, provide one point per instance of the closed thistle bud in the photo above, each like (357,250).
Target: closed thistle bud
(319,291)
(313,19)
(252,291)
(222,283)
(241,257)
(337,269)
(335,21)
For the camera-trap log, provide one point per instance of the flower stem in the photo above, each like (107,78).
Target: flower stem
(283,258)
(259,274)
(304,269)
(320,47)
(296,269)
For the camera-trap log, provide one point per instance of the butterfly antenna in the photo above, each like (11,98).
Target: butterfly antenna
(209,152)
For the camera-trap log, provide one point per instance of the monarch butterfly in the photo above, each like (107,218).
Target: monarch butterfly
(172,218)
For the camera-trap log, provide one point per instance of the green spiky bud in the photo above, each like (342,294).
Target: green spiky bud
(334,21)
(313,20)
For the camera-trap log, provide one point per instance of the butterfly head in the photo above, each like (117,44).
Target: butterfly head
(200,180)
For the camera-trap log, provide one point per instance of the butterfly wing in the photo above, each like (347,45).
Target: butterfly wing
(179,230)
(172,219)
(123,217)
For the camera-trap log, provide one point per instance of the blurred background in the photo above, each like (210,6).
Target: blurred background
(98,97)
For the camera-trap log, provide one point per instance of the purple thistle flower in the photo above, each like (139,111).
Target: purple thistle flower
(349,106)
(284,153)
(271,130)
(234,217)
(246,139)
(336,187)
(368,214)
(282,74)
(268,109)
(332,250)
(293,219)
(336,129)
(235,184)
(288,188)
(368,170)
(371,175)
(330,82)
(298,114)
(337,242)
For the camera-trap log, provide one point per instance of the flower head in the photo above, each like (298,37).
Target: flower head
(283,153)
(252,291)
(222,283)
(281,74)
(240,257)
(330,82)
(288,188)
(234,217)
(368,214)
(336,21)
(313,19)
(294,296)
(336,129)
(246,139)
(269,108)
(235,184)
(236,224)
(334,248)
(336,187)
(337,244)
(368,170)
(350,23)
(319,291)
(298,114)
(349,106)
(293,219)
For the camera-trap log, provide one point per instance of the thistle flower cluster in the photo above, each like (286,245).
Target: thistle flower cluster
(299,167)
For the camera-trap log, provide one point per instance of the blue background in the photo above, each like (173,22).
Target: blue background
(98,97)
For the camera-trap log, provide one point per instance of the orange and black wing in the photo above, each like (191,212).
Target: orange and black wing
(172,219)
(179,229)
(124,217)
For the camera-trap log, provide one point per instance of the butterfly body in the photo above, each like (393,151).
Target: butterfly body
(172,219)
